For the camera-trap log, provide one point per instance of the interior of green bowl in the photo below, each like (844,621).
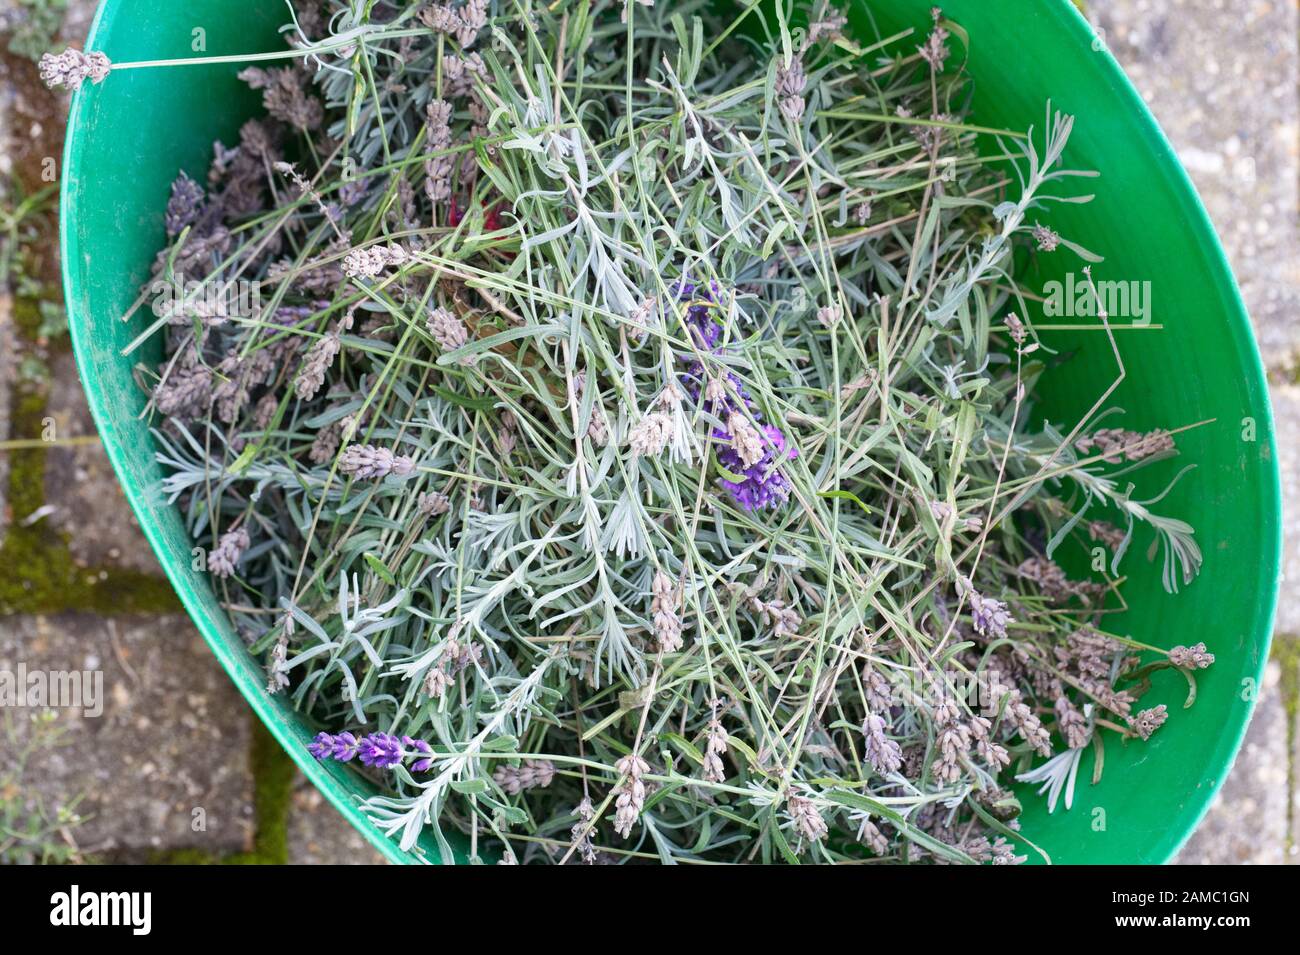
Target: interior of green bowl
(1195,362)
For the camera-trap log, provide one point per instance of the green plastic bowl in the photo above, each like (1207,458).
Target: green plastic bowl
(128,137)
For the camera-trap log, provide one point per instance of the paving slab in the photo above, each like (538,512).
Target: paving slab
(89,507)
(1286,421)
(1247,822)
(165,765)
(1221,77)
(319,835)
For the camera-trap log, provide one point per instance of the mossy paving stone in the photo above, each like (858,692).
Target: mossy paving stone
(90,510)
(88,554)
(6,377)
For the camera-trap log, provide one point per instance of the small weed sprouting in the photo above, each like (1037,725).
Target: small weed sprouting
(31,832)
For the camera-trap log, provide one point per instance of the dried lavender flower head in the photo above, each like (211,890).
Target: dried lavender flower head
(447,329)
(667,622)
(806,818)
(316,365)
(631,795)
(1146,722)
(370,261)
(228,552)
(368,461)
(935,50)
(650,435)
(1191,658)
(183,206)
(790,83)
(529,774)
(989,617)
(67,70)
(1046,239)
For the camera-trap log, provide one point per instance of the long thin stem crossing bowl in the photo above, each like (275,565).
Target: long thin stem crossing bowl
(128,137)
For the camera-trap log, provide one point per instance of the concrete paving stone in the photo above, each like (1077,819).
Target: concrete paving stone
(1286,424)
(166,763)
(81,486)
(1247,822)
(76,20)
(1220,76)
(319,835)
(1293,714)
(31,130)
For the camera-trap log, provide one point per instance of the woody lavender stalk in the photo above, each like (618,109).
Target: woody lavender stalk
(631,456)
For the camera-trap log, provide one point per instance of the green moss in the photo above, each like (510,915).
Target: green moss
(47,580)
(27,318)
(44,577)
(273,775)
(27,465)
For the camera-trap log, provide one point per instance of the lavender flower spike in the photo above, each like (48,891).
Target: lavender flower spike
(381,749)
(230,548)
(322,747)
(1192,658)
(763,484)
(421,747)
(703,300)
(183,206)
(342,746)
(989,617)
(371,461)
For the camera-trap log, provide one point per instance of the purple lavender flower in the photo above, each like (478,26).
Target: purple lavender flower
(353,191)
(345,747)
(989,616)
(183,206)
(294,314)
(422,747)
(763,485)
(381,749)
(699,317)
(342,747)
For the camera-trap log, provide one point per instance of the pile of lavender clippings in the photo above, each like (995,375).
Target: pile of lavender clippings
(614,425)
